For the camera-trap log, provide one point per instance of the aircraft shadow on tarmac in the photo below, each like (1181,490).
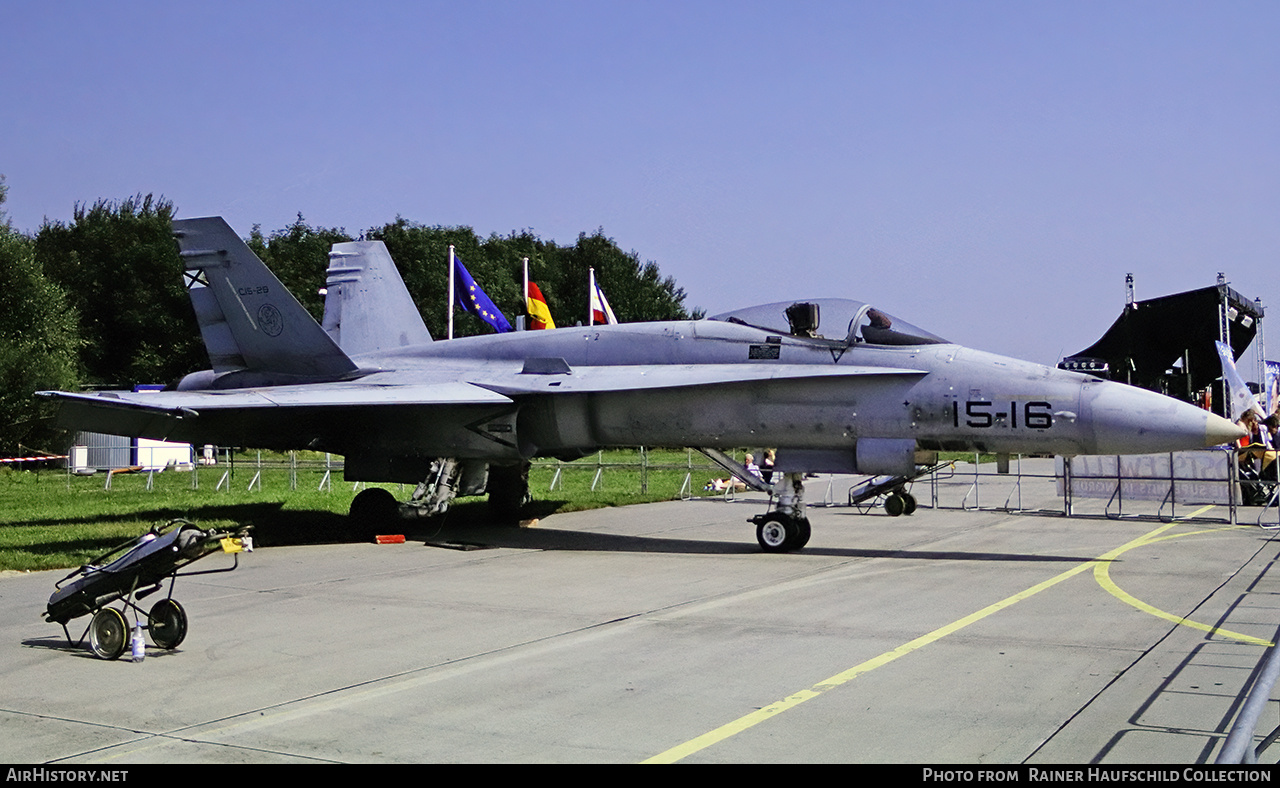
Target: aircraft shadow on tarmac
(471,532)
(469,526)
(556,539)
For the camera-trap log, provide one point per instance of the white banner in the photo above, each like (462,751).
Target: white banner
(1193,476)
(1239,397)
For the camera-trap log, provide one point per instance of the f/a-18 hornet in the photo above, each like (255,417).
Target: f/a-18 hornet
(467,415)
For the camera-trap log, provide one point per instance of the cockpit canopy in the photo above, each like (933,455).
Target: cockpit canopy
(846,320)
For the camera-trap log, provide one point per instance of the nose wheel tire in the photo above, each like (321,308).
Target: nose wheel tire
(781,533)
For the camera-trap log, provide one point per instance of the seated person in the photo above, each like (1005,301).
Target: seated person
(1260,444)
(719,485)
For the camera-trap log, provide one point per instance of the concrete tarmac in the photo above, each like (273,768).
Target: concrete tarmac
(662,633)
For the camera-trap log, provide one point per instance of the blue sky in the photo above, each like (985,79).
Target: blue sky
(987,170)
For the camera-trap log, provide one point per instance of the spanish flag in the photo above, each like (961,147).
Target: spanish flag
(539,314)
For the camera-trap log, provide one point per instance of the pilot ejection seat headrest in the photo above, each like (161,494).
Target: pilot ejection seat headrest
(803,318)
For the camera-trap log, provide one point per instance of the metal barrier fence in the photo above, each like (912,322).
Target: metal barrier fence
(644,463)
(1131,487)
(1143,486)
(147,467)
(221,467)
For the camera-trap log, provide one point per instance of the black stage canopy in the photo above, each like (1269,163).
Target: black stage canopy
(1149,339)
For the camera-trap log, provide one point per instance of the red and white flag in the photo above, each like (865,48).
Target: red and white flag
(600,311)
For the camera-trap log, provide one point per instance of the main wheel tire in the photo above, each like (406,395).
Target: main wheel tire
(372,509)
(167,624)
(508,489)
(108,633)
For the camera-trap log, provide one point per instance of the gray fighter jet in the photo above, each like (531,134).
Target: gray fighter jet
(866,393)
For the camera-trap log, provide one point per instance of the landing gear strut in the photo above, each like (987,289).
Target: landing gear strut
(374,509)
(786,528)
(508,487)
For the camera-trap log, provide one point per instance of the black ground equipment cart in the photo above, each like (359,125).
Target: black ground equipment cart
(136,569)
(891,491)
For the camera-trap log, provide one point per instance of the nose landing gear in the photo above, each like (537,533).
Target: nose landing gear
(786,528)
(781,533)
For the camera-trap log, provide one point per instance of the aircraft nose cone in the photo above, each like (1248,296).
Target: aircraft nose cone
(1219,430)
(1130,420)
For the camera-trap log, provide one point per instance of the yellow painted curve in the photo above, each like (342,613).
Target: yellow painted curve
(1101,575)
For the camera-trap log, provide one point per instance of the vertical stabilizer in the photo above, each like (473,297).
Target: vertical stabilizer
(367,308)
(248,320)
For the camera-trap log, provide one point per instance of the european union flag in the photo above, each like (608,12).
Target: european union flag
(474,300)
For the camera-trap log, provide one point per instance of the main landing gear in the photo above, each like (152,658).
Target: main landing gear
(375,509)
(786,528)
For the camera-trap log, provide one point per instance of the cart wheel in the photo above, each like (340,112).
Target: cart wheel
(167,623)
(910,503)
(108,633)
(894,505)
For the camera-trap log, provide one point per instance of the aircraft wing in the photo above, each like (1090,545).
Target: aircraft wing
(470,417)
(182,404)
(162,414)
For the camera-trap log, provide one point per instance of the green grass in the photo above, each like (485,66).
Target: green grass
(50,520)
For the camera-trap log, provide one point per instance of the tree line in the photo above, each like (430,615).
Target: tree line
(99,301)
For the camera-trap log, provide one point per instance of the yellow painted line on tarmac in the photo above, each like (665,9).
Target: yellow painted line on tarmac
(1102,574)
(681,751)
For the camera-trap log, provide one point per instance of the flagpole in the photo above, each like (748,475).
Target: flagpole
(591,296)
(449,307)
(526,292)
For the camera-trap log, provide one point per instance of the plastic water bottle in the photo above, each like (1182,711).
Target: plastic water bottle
(137,645)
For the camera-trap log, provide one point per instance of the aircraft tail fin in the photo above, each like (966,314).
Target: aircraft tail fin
(367,308)
(248,320)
